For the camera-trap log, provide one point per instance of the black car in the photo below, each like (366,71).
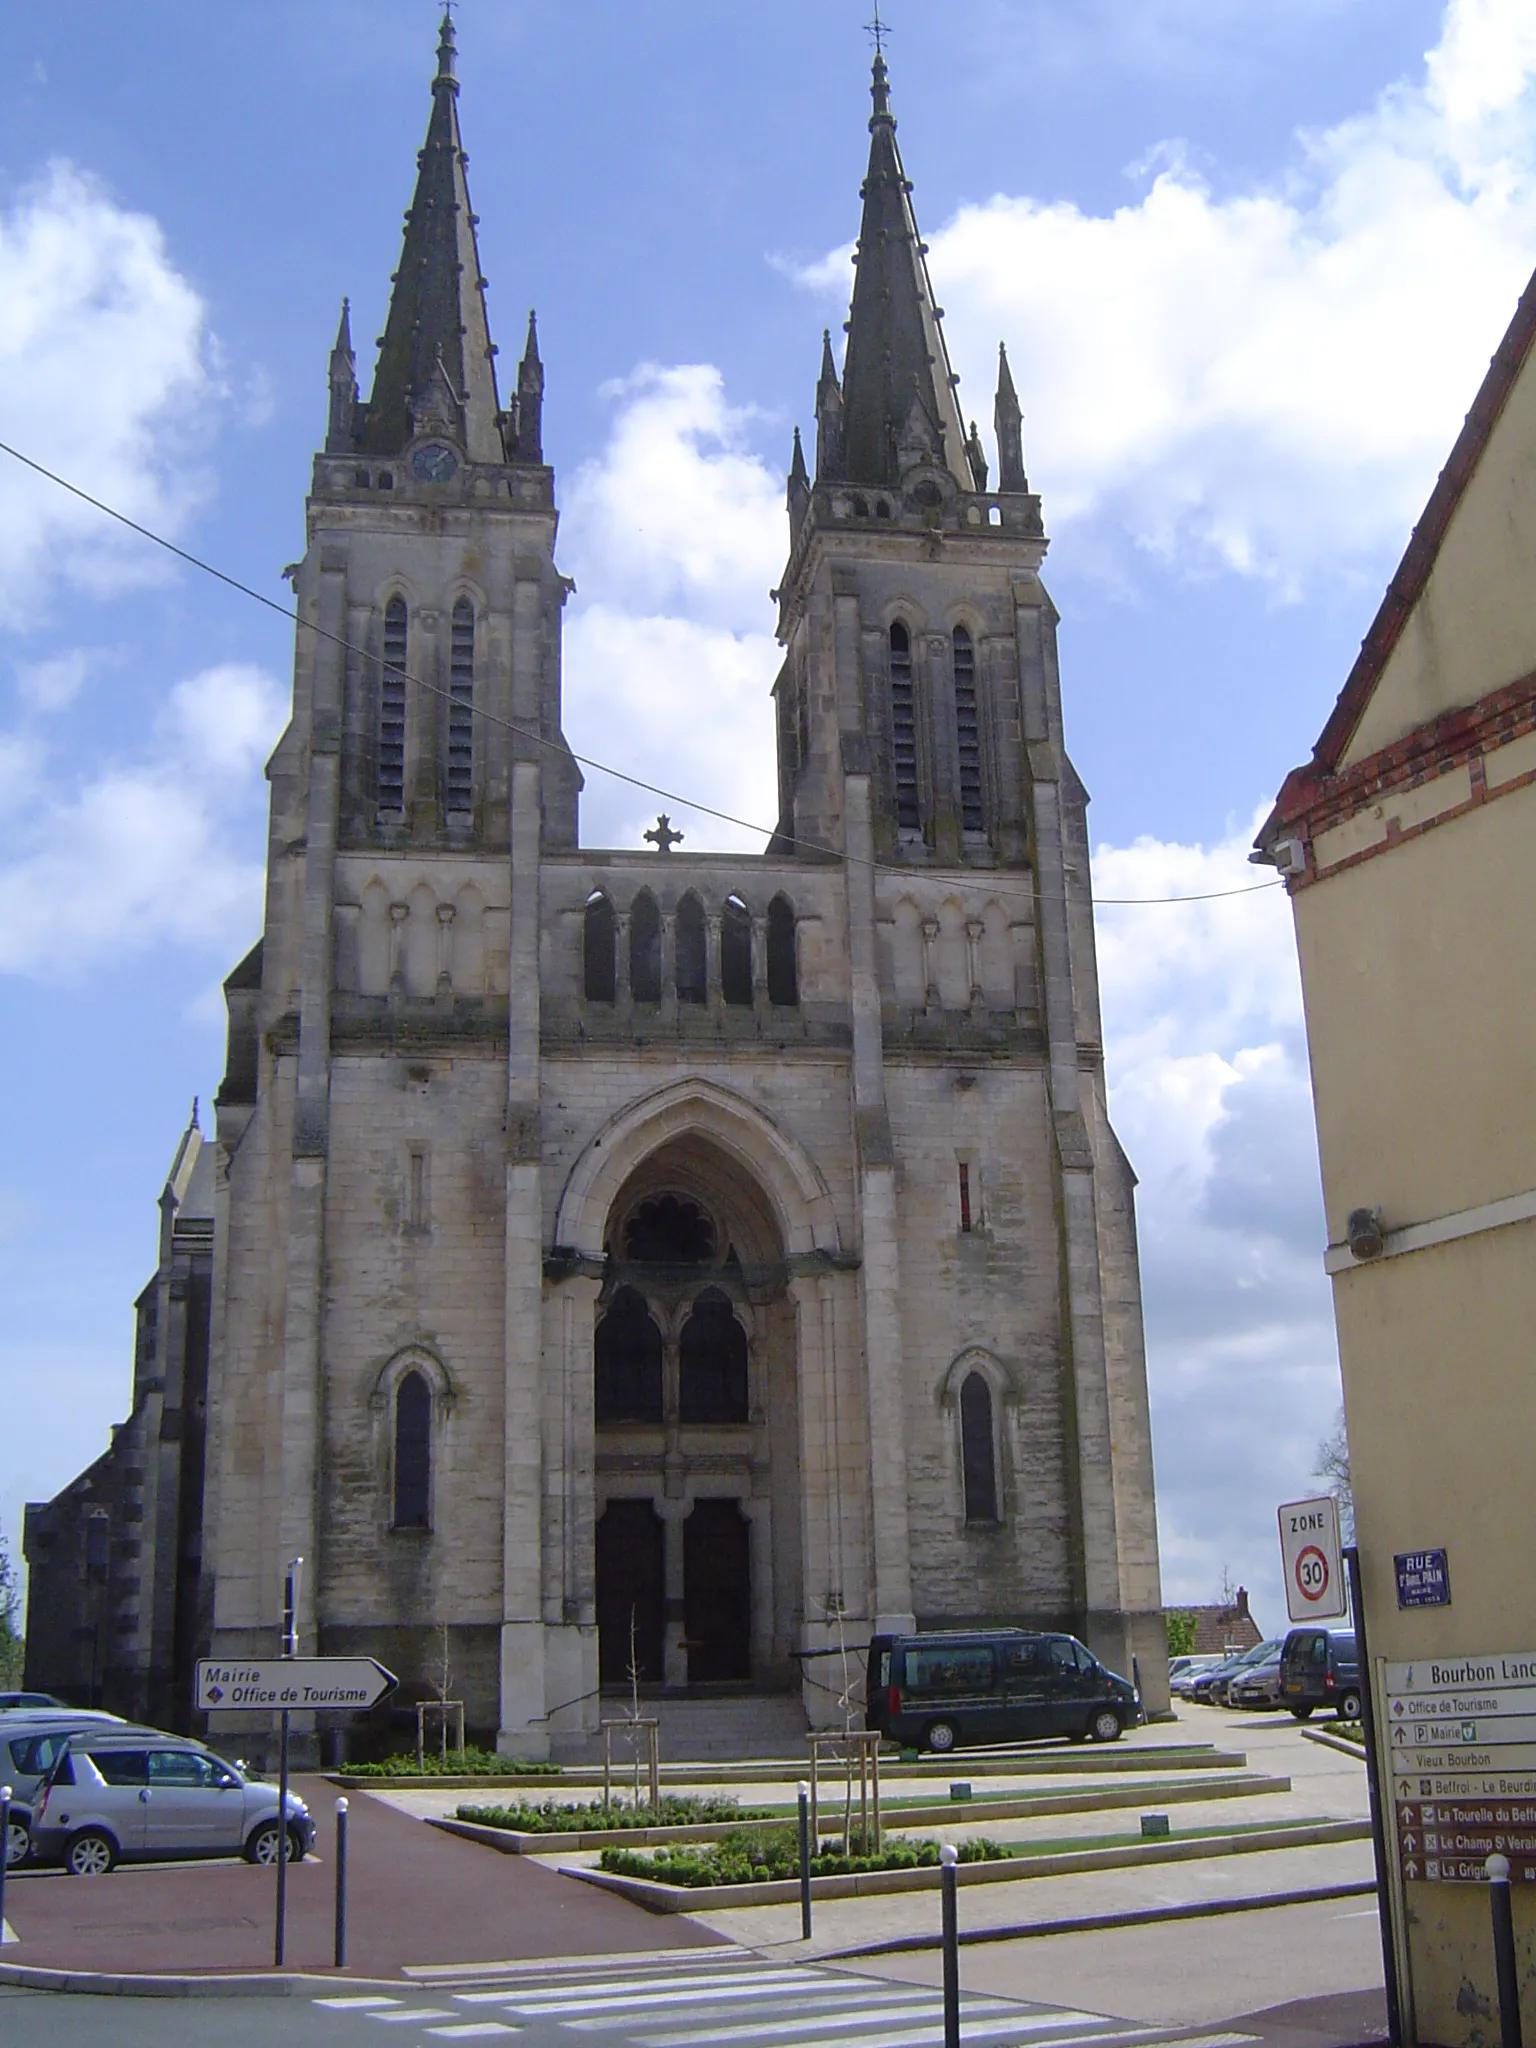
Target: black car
(956,1689)
(1320,1667)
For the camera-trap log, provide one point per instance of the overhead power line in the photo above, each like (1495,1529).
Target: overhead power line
(984,883)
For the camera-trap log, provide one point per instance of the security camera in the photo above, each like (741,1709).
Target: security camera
(1365,1234)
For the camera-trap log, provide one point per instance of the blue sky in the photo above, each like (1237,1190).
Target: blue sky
(1250,264)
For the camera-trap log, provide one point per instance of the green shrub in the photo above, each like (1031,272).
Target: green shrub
(552,1818)
(759,1855)
(461,1763)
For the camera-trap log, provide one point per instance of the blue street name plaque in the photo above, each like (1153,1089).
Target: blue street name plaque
(1423,1578)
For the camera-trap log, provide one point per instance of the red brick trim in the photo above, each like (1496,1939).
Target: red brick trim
(1313,803)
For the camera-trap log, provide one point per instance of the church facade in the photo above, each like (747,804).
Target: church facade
(653,1264)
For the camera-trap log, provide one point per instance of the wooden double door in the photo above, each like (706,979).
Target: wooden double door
(631,1592)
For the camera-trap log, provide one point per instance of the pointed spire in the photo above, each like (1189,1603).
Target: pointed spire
(437,310)
(895,344)
(829,415)
(339,434)
(976,455)
(530,399)
(798,495)
(1009,421)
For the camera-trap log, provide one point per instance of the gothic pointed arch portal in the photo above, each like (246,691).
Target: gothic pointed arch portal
(698,1202)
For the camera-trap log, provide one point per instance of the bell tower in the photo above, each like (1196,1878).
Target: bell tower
(898,606)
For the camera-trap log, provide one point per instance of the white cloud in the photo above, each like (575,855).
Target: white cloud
(1266,379)
(104,378)
(53,684)
(1210,1094)
(677,530)
(141,851)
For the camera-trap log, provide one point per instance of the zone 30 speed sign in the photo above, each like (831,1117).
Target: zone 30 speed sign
(1314,1565)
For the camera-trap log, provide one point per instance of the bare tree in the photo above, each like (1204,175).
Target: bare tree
(13,1648)
(1332,1467)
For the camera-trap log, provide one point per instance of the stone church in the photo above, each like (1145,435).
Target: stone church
(652,1262)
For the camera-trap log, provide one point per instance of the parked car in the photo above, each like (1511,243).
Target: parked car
(1182,1680)
(948,1690)
(1211,1686)
(8,1700)
(32,1741)
(1320,1667)
(18,1833)
(122,1796)
(1257,1687)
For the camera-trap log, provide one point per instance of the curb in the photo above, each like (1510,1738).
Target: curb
(282,1984)
(669,1898)
(1338,1742)
(1060,1759)
(1023,1806)
(1094,1923)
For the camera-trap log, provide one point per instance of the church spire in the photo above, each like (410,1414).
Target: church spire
(343,413)
(897,393)
(1008,418)
(530,398)
(436,364)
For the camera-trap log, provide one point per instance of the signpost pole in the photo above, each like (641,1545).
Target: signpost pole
(1374,1788)
(290,1649)
(805,1861)
(341,1882)
(5,1848)
(950,1917)
(1505,1965)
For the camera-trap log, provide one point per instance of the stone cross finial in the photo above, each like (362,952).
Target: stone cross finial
(662,836)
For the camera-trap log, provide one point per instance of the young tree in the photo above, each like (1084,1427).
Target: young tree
(1332,1468)
(1181,1626)
(13,1646)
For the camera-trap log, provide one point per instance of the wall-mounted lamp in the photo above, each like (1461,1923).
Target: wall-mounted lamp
(1364,1232)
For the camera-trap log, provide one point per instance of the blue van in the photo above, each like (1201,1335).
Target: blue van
(960,1688)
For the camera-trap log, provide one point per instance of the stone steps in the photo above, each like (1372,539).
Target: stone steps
(712,1727)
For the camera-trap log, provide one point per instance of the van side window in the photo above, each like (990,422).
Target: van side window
(952,1669)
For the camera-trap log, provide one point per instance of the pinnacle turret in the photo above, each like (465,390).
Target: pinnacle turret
(1008,418)
(829,415)
(343,380)
(530,398)
(898,396)
(798,493)
(436,348)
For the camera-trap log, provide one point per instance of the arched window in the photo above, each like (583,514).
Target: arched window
(669,1231)
(692,956)
(413,1453)
(599,967)
(978,1449)
(626,1359)
(390,778)
(645,949)
(712,1363)
(736,952)
(968,732)
(904,731)
(461,710)
(783,975)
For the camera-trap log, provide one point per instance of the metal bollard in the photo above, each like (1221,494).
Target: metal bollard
(805,1861)
(5,1848)
(341,1884)
(949,1856)
(1497,1871)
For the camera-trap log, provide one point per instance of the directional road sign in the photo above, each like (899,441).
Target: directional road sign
(1461,1734)
(299,1683)
(1312,1560)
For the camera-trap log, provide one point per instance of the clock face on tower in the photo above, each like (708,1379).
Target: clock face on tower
(434,464)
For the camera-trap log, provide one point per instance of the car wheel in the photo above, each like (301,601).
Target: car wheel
(1349,1707)
(941,1736)
(1105,1725)
(1302,1713)
(92,1853)
(261,1847)
(18,1842)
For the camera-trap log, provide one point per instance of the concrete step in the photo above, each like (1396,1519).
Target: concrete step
(712,1728)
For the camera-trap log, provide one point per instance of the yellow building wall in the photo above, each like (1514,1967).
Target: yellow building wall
(1419,975)
(1419,972)
(1474,628)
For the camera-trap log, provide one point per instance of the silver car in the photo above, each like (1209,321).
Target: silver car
(122,1797)
(32,1741)
(1257,1687)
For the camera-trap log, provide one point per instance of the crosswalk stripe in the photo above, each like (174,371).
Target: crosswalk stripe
(783,2029)
(604,1999)
(413,2012)
(356,2004)
(470,2030)
(809,1999)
